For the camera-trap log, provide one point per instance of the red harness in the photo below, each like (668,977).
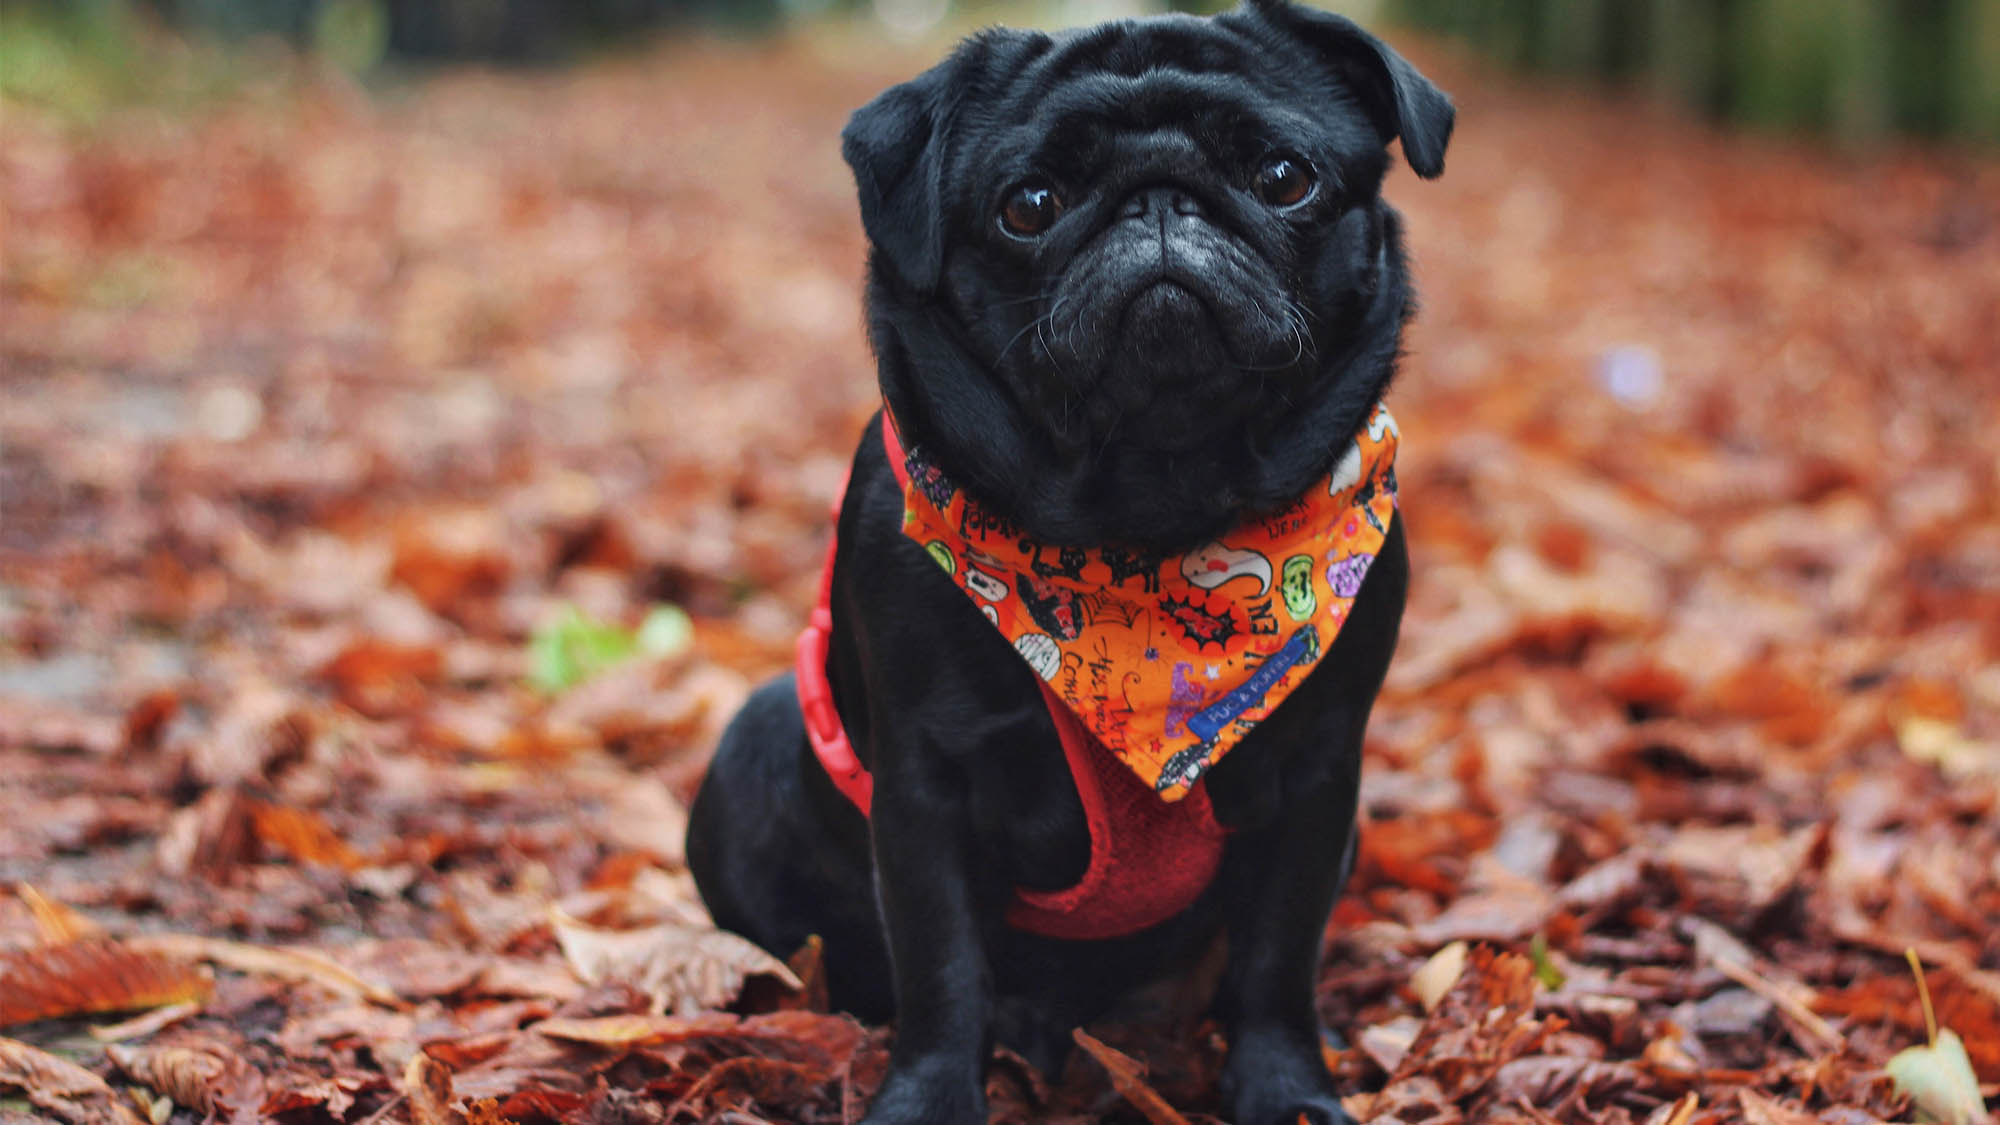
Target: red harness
(1149,859)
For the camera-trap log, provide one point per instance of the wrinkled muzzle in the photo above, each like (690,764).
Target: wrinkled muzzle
(1168,327)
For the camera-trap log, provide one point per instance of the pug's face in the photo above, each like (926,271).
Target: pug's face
(1132,282)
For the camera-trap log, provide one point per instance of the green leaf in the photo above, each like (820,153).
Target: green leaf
(1552,978)
(1939,1079)
(666,631)
(572,648)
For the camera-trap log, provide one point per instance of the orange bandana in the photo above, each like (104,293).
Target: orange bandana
(1169,660)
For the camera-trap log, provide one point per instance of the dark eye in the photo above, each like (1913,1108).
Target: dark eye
(1284,181)
(1031,209)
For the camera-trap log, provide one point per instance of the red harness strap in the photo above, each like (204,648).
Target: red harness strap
(1149,859)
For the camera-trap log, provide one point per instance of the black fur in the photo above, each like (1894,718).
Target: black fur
(1173,354)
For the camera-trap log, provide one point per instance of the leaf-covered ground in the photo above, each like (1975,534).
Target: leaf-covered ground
(324,409)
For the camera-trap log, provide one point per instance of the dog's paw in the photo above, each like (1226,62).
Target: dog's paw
(1317,1112)
(924,1096)
(1252,1110)
(1273,1083)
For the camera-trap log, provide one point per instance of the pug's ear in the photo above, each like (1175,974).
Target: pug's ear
(895,144)
(899,144)
(1400,101)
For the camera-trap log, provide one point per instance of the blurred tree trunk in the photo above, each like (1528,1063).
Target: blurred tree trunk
(1974,37)
(1856,70)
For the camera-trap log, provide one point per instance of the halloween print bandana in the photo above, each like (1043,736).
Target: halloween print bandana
(1170,660)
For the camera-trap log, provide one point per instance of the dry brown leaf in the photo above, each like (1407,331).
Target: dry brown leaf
(1129,1079)
(809,965)
(634,1028)
(61,1087)
(146,1024)
(680,968)
(1388,1044)
(189,1077)
(206,837)
(258,960)
(427,1084)
(1681,1112)
(87,977)
(1760,1110)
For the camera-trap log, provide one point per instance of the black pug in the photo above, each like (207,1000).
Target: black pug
(1129,287)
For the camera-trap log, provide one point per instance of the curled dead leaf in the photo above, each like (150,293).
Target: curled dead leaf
(427,1085)
(191,1078)
(61,1087)
(680,968)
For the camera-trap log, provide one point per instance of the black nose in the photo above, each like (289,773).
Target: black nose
(1159,200)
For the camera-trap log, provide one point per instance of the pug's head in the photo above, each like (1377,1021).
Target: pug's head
(1131,283)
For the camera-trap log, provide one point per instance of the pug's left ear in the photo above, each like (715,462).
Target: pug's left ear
(1399,100)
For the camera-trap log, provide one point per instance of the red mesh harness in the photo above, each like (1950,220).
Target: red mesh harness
(1149,859)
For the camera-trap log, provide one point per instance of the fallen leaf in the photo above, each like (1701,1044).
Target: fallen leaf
(286,964)
(56,923)
(187,1076)
(634,1028)
(1129,1079)
(1760,1110)
(679,968)
(61,1087)
(1388,1044)
(144,1025)
(427,1084)
(88,977)
(1938,1078)
(1437,975)
(302,835)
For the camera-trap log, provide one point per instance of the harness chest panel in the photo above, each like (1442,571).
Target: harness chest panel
(1198,654)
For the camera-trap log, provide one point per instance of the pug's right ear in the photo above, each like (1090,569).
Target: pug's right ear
(898,146)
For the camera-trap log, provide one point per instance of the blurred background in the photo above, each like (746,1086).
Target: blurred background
(418,422)
(1857,69)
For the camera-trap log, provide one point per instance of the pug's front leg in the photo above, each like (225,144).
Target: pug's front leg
(1284,879)
(931,904)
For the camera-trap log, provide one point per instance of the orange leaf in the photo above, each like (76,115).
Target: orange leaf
(303,836)
(55,922)
(626,1030)
(93,976)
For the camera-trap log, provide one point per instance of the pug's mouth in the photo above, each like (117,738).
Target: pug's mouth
(1167,360)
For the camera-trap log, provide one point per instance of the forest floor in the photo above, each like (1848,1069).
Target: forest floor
(346,429)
